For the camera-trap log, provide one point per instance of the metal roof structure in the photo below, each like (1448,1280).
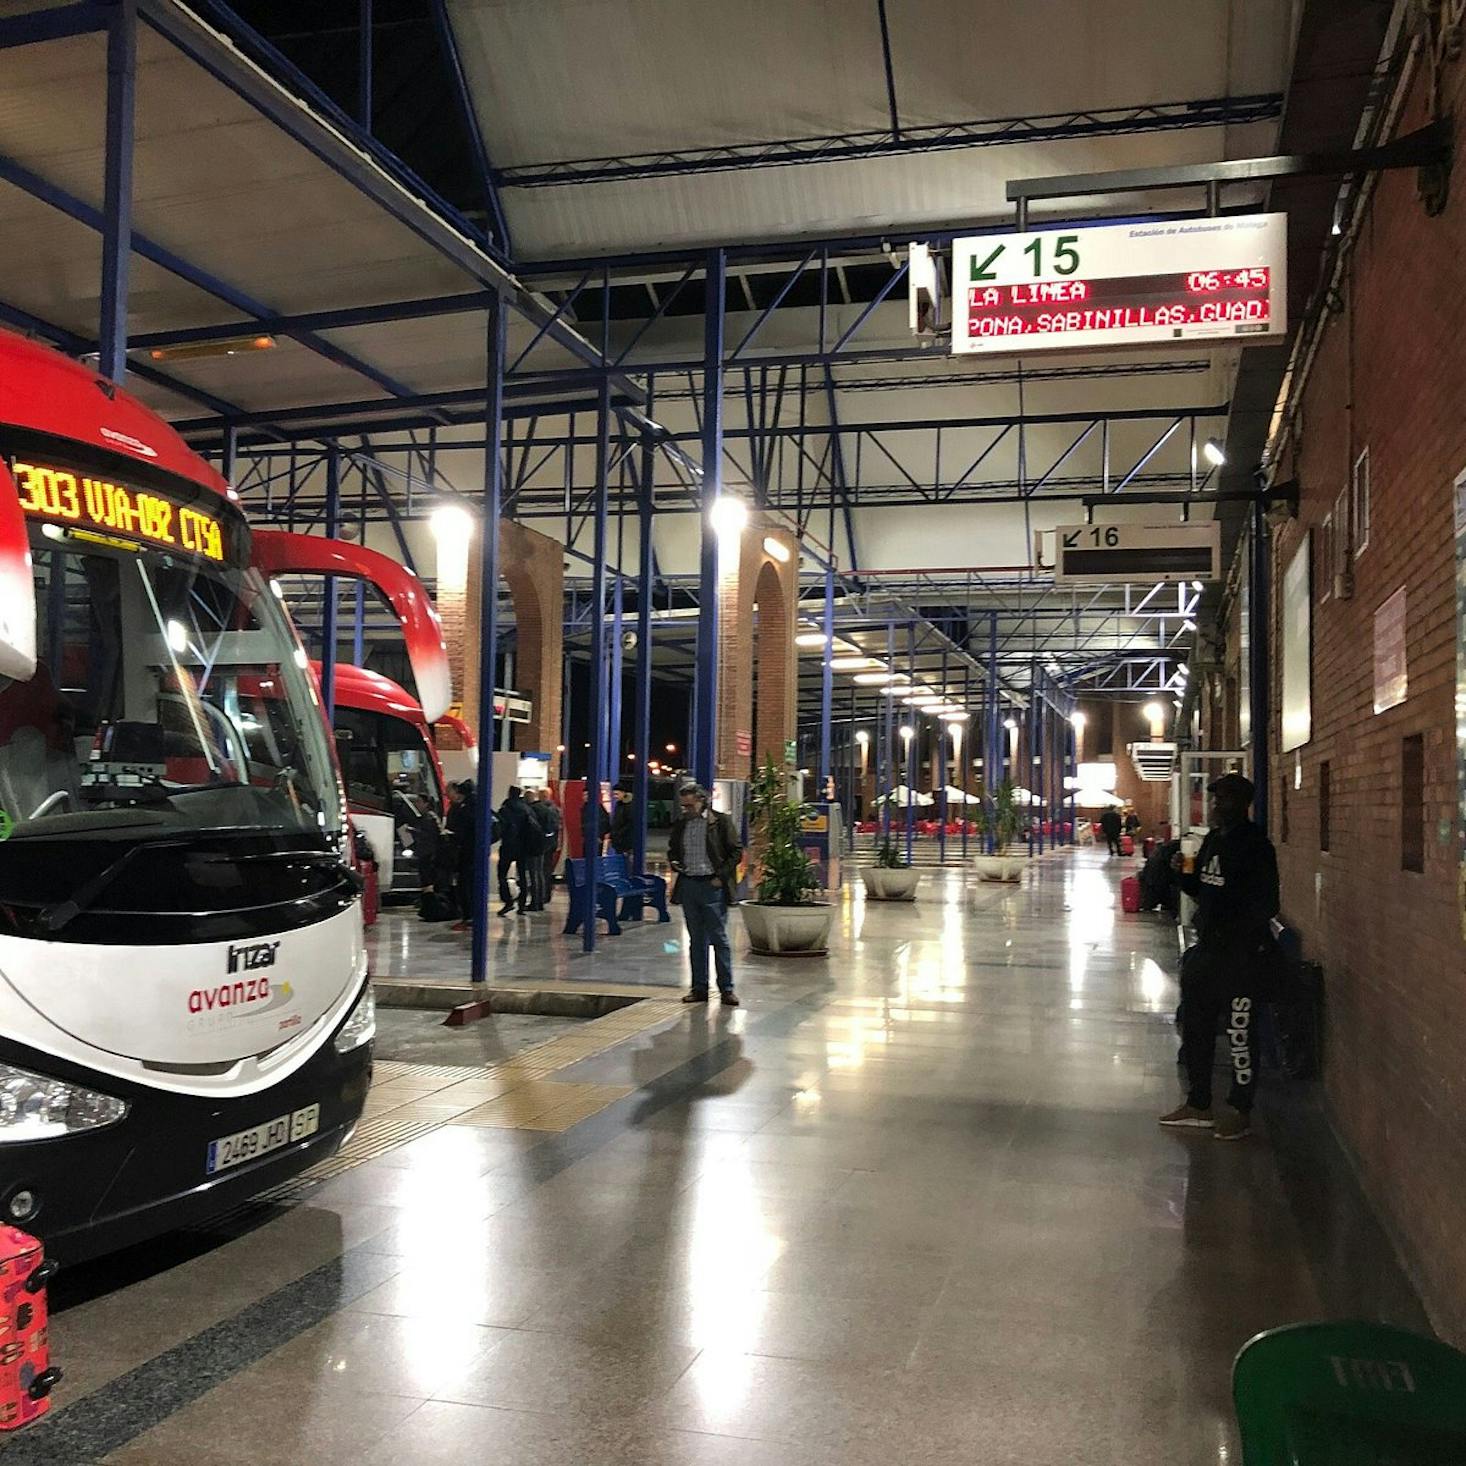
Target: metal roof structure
(656,187)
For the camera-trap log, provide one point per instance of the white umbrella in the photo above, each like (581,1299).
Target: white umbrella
(961,796)
(903,795)
(1097,799)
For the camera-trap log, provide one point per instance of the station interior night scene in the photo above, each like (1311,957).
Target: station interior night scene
(732,733)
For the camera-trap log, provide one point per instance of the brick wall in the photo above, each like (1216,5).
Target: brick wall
(1111,726)
(1390,376)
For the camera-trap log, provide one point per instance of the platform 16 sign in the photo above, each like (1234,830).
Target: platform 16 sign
(1121,285)
(1107,554)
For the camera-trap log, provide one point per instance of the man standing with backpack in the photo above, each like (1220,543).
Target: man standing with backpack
(1234,880)
(522,843)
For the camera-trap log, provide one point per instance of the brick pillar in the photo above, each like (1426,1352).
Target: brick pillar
(759,605)
(533,567)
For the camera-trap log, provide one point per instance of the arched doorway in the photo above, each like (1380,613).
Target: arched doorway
(772,660)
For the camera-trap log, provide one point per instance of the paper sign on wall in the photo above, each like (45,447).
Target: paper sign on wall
(1391,679)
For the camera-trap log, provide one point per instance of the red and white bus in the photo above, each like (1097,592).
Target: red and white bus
(185,1012)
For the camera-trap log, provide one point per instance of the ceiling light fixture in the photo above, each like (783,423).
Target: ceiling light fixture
(218,346)
(1214,453)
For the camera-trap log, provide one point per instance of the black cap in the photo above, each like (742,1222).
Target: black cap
(1238,785)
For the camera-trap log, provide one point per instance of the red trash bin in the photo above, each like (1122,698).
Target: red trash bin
(26,1375)
(1127,845)
(1130,894)
(1148,848)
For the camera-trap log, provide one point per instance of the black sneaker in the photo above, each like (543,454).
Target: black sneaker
(729,1000)
(694,997)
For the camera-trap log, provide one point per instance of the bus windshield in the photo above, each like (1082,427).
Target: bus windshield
(166,682)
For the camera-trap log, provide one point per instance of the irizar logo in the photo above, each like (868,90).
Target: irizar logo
(249,959)
(1238,1031)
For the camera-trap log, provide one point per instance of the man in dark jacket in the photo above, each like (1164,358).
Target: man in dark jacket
(461,825)
(704,850)
(521,842)
(1234,880)
(547,817)
(1110,826)
(623,822)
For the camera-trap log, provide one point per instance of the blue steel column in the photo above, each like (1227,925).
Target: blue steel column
(827,674)
(597,721)
(642,736)
(328,585)
(117,187)
(613,702)
(943,733)
(704,753)
(488,635)
(965,761)
(1258,616)
(889,764)
(910,745)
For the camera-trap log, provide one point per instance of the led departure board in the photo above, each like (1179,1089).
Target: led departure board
(60,496)
(1121,285)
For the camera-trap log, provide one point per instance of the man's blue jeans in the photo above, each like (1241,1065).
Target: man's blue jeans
(705,909)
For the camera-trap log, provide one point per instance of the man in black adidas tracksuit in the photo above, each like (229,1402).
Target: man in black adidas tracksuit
(1235,883)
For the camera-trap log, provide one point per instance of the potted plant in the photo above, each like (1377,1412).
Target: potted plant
(892,878)
(783,919)
(999,819)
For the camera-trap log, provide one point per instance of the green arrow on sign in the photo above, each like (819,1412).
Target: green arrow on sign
(983,271)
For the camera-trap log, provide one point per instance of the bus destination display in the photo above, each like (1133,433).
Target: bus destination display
(1122,284)
(62,497)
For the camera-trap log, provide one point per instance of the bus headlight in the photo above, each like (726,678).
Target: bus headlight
(361,1027)
(33,1107)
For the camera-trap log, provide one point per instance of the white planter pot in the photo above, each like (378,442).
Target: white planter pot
(882,883)
(1000,867)
(787,930)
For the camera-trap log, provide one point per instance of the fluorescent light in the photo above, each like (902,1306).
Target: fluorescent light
(955,717)
(851,664)
(862,737)
(1078,719)
(873,679)
(777,548)
(1196,585)
(1214,453)
(1189,625)
(218,346)
(1154,711)
(810,639)
(906,732)
(728,516)
(177,636)
(1010,724)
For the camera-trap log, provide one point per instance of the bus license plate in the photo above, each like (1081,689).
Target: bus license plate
(258,1140)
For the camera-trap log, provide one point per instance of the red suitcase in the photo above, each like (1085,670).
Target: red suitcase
(1130,893)
(26,1375)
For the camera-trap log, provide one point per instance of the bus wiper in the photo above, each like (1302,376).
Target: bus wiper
(151,791)
(60,914)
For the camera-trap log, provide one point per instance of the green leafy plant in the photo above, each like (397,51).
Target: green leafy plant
(889,857)
(786,873)
(998,817)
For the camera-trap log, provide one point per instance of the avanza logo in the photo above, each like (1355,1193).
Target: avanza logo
(250,959)
(229,995)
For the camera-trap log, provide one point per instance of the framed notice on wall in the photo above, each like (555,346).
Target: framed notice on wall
(1461,700)
(1296,631)
(1391,678)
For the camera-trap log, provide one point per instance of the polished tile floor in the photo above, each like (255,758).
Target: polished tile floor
(909,1205)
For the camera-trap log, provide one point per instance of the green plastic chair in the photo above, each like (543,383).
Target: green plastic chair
(1350,1394)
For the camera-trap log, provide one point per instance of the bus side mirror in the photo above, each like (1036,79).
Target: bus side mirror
(17,588)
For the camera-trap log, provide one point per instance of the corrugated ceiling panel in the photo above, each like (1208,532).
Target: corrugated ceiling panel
(591,79)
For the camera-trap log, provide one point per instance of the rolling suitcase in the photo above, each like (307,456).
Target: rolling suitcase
(1130,894)
(26,1375)
(1127,844)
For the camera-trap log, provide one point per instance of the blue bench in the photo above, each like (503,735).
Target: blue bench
(614,867)
(617,899)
